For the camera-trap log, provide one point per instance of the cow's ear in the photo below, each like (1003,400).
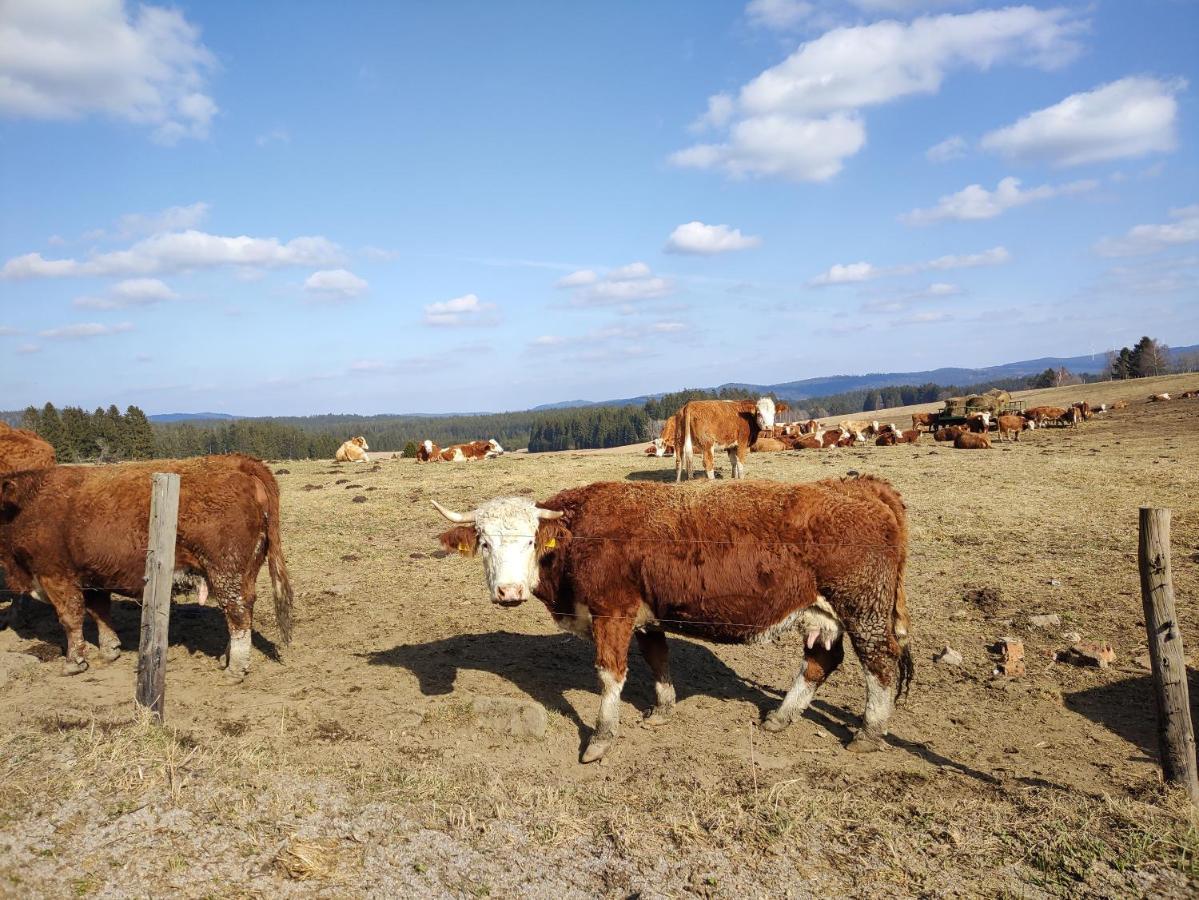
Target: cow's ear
(551,535)
(461,539)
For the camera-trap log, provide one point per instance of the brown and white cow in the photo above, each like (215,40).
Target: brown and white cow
(886,439)
(353,450)
(1158,398)
(768,445)
(1070,417)
(911,436)
(979,423)
(1011,426)
(809,442)
(1043,415)
(428,452)
(79,534)
(968,440)
(1188,395)
(664,443)
(21,450)
(924,420)
(488,449)
(611,560)
(712,425)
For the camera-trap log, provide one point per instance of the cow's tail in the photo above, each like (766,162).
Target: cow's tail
(901,625)
(688,447)
(280,581)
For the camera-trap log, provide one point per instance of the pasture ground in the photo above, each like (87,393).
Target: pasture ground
(354,765)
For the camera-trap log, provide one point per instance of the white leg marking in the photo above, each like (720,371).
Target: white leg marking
(239,653)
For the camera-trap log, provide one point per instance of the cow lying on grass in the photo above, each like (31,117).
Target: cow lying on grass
(968,440)
(78,534)
(730,563)
(353,450)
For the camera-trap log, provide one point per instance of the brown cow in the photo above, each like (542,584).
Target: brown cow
(1120,404)
(353,450)
(924,420)
(664,443)
(474,450)
(810,442)
(1043,415)
(768,445)
(979,423)
(1083,408)
(428,452)
(887,439)
(80,533)
(1069,417)
(968,440)
(911,436)
(949,432)
(1188,395)
(711,425)
(613,559)
(1011,426)
(21,450)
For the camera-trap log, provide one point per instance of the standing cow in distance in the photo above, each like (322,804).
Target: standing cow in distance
(353,450)
(79,534)
(711,425)
(731,563)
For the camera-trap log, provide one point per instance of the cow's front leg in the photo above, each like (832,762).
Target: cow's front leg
(611,635)
(819,664)
(657,654)
(67,599)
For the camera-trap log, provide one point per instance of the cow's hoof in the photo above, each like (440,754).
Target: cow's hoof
(661,715)
(865,744)
(74,666)
(596,749)
(774,723)
(110,654)
(232,676)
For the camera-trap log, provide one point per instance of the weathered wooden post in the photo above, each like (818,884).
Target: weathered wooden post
(156,598)
(1175,735)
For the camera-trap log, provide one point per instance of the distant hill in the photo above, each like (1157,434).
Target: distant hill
(192,417)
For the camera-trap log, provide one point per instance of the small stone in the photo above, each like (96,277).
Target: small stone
(1052,620)
(1071,637)
(359,499)
(519,718)
(1055,582)
(1011,669)
(1089,653)
(1010,650)
(948,656)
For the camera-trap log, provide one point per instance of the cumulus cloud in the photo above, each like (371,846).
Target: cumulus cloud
(576,279)
(335,284)
(1141,240)
(181,252)
(84,330)
(951,148)
(62,60)
(780,15)
(708,240)
(131,292)
(975,202)
(856,273)
(801,119)
(1127,118)
(173,218)
(464,310)
(622,284)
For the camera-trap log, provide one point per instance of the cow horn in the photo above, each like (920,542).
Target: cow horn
(549,513)
(460,518)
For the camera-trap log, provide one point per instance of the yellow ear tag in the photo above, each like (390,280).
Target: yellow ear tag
(463,549)
(551,543)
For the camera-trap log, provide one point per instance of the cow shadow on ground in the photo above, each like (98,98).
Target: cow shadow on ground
(198,629)
(547,667)
(1128,708)
(665,475)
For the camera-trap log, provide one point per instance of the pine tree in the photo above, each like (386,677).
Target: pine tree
(139,434)
(50,428)
(31,419)
(77,435)
(410,450)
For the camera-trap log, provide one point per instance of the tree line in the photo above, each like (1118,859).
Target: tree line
(104,435)
(1145,358)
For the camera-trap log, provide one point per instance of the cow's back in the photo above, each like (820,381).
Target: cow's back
(22,450)
(722,423)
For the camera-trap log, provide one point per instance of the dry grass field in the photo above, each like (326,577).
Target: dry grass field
(369,759)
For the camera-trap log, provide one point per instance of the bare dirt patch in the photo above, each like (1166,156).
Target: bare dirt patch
(357,762)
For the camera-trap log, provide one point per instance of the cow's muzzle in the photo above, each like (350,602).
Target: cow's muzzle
(510,595)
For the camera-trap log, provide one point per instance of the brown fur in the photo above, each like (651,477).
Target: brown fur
(924,420)
(768,445)
(82,533)
(353,450)
(1044,414)
(830,438)
(1010,427)
(714,424)
(976,423)
(886,439)
(473,450)
(624,548)
(968,440)
(433,455)
(809,442)
(911,436)
(1120,404)
(21,450)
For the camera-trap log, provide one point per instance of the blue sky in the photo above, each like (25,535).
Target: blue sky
(290,208)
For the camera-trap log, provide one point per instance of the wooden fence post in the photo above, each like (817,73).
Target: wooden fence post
(156,597)
(1176,738)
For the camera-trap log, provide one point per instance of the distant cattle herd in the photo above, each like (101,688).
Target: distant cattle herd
(610,561)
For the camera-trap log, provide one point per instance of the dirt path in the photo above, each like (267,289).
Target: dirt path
(357,763)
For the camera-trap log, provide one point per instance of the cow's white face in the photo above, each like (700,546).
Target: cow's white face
(361,442)
(494,448)
(765,414)
(428,445)
(506,535)
(659,447)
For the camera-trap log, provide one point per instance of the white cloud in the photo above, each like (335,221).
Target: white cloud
(85,330)
(951,148)
(1141,240)
(274,136)
(708,240)
(464,310)
(668,327)
(780,15)
(180,252)
(975,202)
(632,272)
(720,109)
(8,331)
(576,279)
(855,273)
(132,292)
(61,60)
(173,218)
(335,284)
(1127,118)
(800,119)
(379,254)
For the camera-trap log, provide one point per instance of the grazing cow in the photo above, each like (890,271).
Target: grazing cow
(1043,415)
(79,533)
(428,452)
(21,450)
(1011,426)
(924,420)
(968,440)
(711,425)
(979,423)
(353,450)
(474,450)
(728,563)
(949,432)
(1158,398)
(768,445)
(1070,417)
(664,443)
(1083,408)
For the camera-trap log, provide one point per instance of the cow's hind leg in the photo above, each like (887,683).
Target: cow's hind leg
(611,635)
(657,654)
(819,664)
(67,599)
(709,462)
(879,653)
(99,606)
(236,597)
